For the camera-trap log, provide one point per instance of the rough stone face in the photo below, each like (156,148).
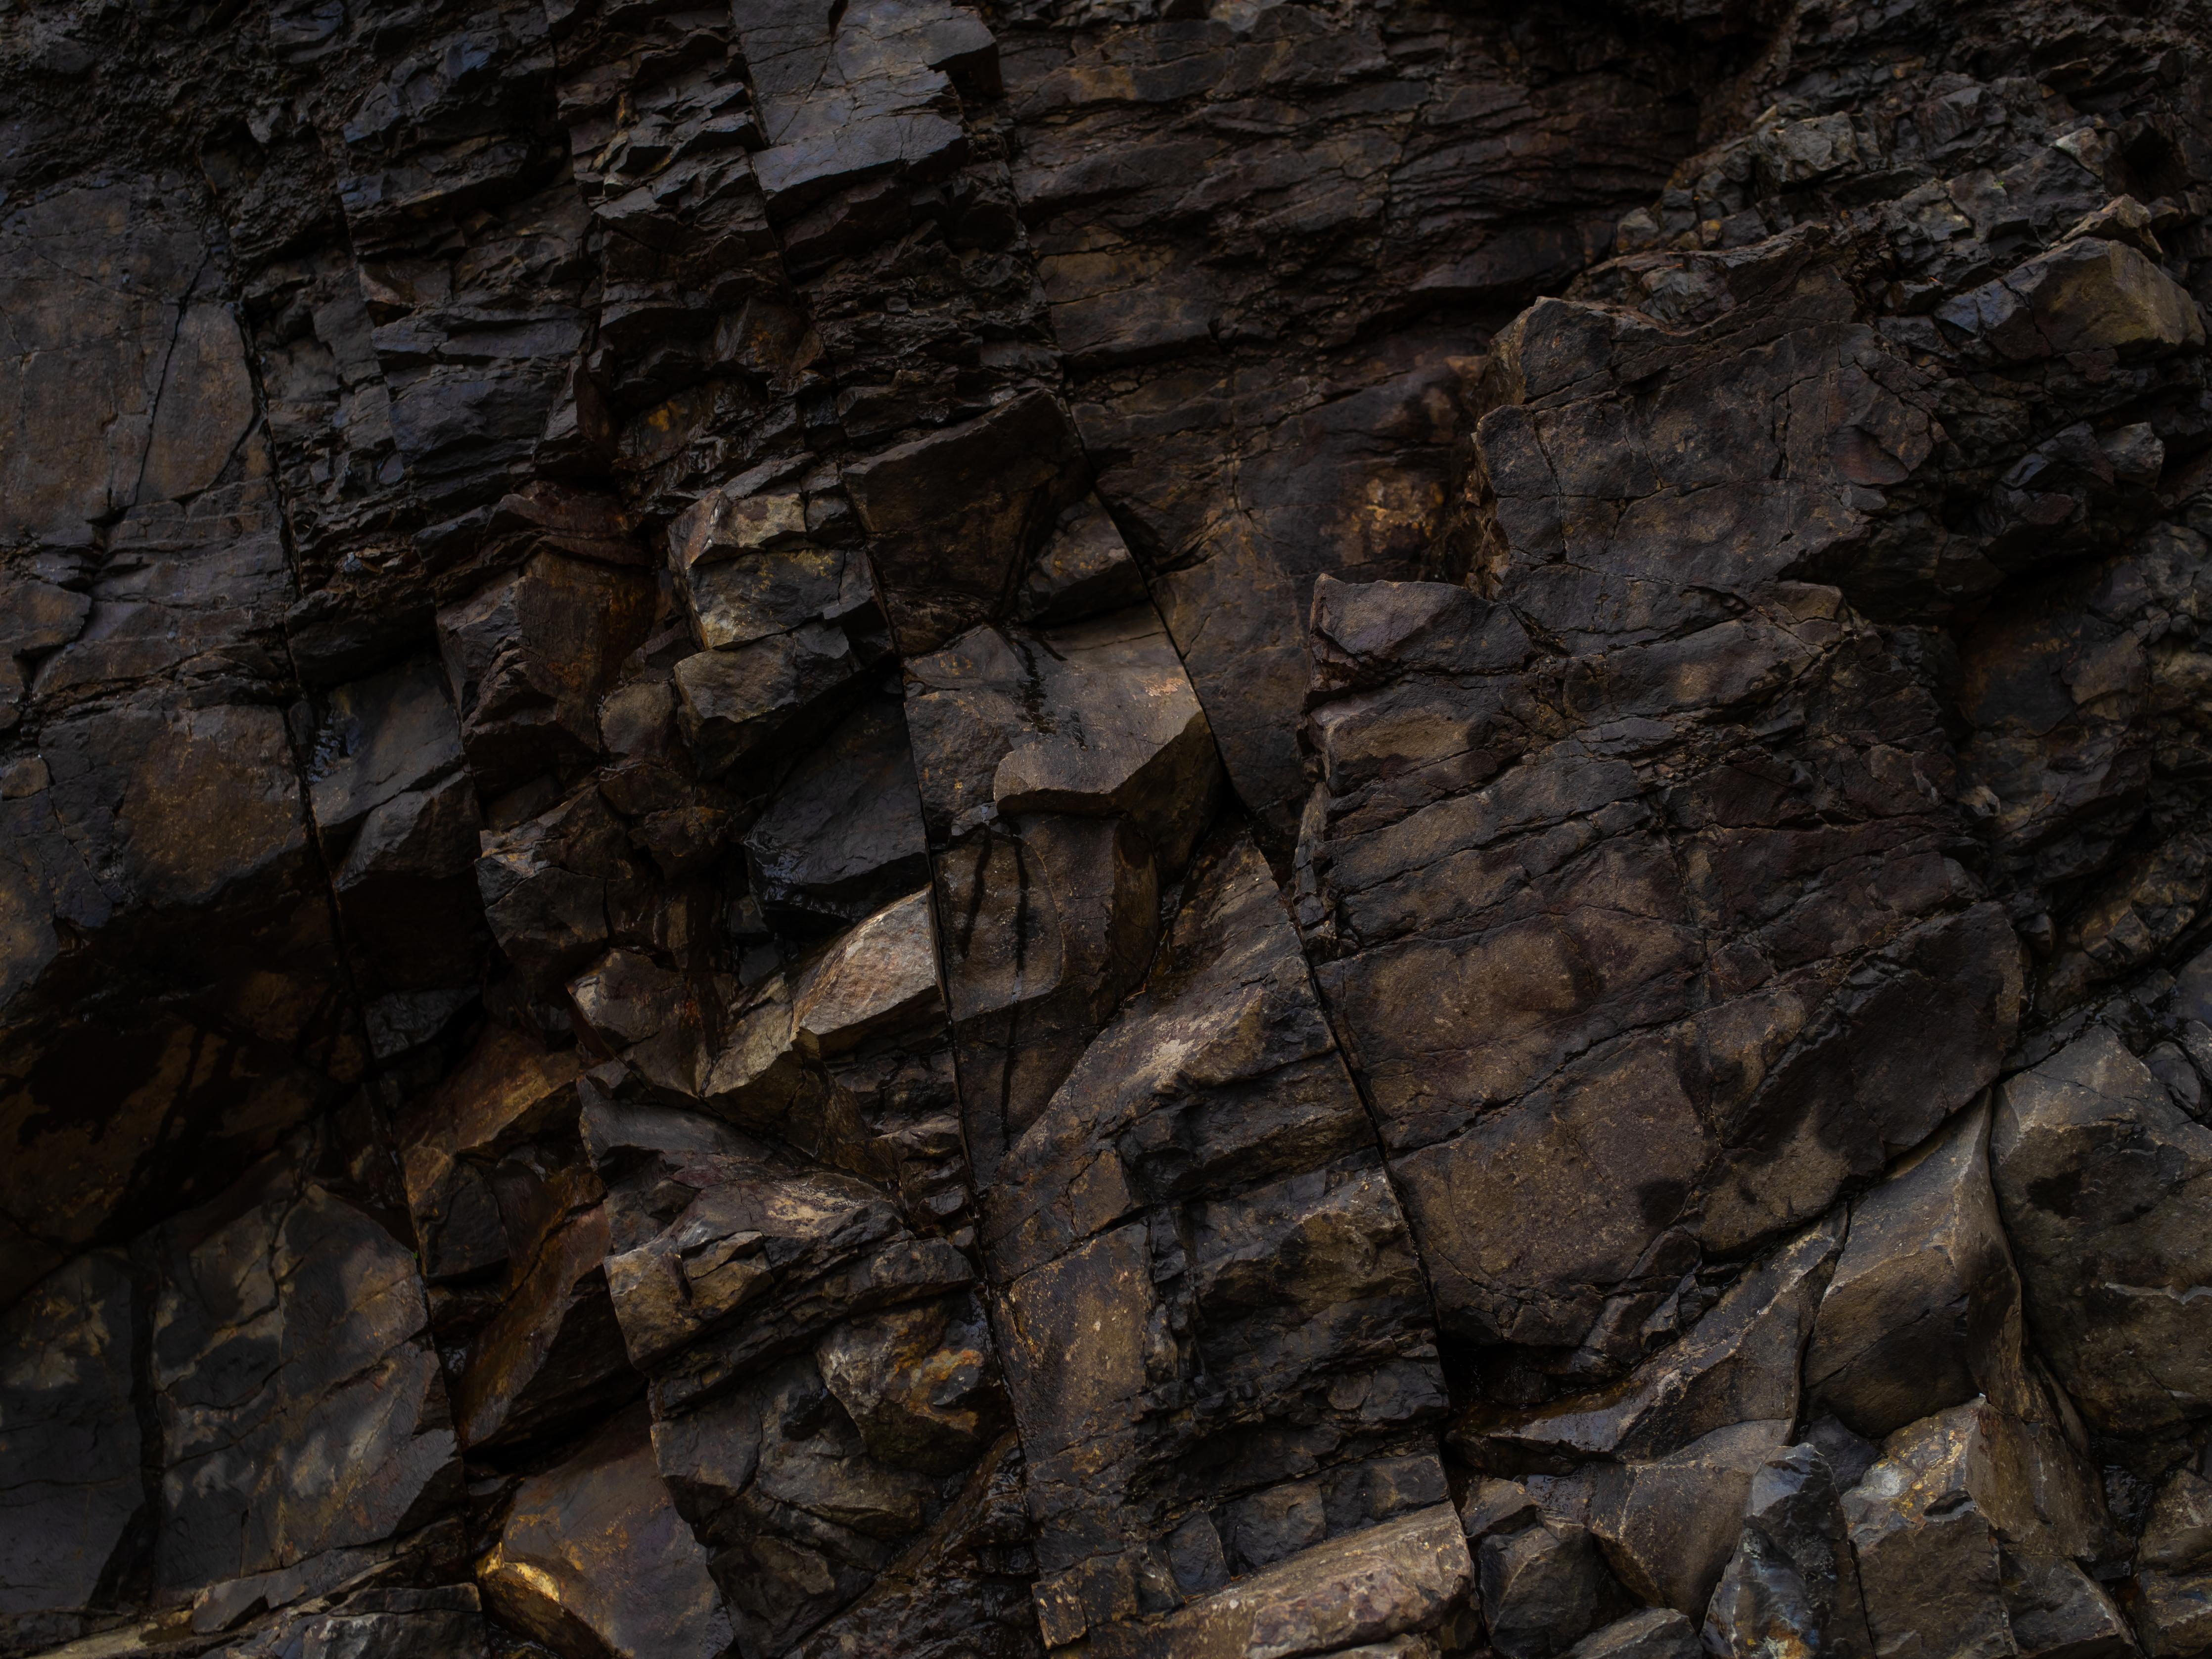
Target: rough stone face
(1199,1222)
(1955,1499)
(1066,775)
(844,831)
(376,1624)
(1408,1577)
(70,1446)
(2110,1250)
(1622,1108)
(959,829)
(1739,1364)
(1793,1584)
(1923,1311)
(2171,1595)
(1654,1633)
(593,1559)
(299,1405)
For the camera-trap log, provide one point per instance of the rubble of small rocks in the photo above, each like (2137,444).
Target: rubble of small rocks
(1248,829)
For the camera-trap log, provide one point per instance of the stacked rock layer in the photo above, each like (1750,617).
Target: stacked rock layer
(1139,828)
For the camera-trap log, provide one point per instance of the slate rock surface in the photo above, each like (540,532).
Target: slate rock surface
(1234,829)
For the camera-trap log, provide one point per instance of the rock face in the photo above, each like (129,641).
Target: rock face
(961,829)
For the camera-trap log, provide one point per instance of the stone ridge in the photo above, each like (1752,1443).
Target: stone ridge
(1139,828)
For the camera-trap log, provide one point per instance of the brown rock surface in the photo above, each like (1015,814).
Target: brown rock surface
(946,829)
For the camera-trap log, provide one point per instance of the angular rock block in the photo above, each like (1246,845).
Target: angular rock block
(399,820)
(953,518)
(528,658)
(1793,1578)
(1195,1234)
(1067,774)
(1943,1523)
(1923,1311)
(843,832)
(592,1558)
(2100,1176)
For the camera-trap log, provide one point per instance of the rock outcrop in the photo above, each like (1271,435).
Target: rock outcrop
(966,828)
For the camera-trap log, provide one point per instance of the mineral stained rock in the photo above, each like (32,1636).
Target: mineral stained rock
(1232,829)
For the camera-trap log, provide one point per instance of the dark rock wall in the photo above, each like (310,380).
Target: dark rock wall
(886,830)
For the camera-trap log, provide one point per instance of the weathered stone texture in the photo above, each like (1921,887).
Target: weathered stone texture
(1232,831)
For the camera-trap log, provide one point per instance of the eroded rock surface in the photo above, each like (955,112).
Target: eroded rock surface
(961,829)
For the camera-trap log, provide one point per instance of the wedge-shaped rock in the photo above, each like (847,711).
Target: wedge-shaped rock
(812,1478)
(1793,1579)
(780,691)
(528,658)
(1070,772)
(508,1092)
(2058,1611)
(625,999)
(953,518)
(551,1354)
(1084,570)
(1164,1104)
(1057,918)
(843,832)
(593,1559)
(860,94)
(880,977)
(1203,1258)
(960,1589)
(1408,1577)
(845,1058)
(726,1252)
(919,1383)
(546,882)
(1924,1312)
(2106,1189)
(380,738)
(1738,1364)
(1096,718)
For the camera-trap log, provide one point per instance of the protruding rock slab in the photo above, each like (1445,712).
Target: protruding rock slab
(593,1559)
(1924,1312)
(953,518)
(1066,774)
(1409,1576)
(2106,1187)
